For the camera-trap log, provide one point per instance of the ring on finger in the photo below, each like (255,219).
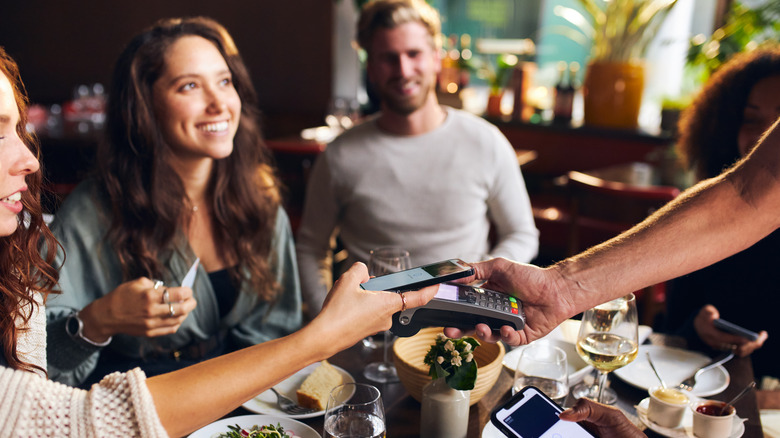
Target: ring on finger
(403,301)
(170,309)
(166,299)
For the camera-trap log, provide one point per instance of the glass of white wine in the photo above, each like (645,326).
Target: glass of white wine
(608,340)
(544,366)
(385,260)
(355,410)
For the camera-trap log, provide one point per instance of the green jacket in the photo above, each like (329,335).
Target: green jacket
(92,269)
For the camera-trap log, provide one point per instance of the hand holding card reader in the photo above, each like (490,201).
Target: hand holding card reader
(461,306)
(455,305)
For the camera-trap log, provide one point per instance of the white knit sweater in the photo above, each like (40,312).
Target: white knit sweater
(31,406)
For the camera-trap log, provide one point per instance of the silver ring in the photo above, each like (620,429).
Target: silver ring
(166,299)
(170,309)
(403,302)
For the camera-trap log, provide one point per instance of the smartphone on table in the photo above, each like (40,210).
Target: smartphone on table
(532,414)
(421,276)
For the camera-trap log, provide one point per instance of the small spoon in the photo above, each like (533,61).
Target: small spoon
(650,361)
(750,386)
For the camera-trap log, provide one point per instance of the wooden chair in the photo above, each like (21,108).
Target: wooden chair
(601,209)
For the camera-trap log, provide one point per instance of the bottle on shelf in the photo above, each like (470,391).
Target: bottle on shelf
(449,77)
(564,94)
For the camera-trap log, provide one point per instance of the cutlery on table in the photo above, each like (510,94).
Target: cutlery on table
(288,406)
(690,382)
(750,386)
(650,361)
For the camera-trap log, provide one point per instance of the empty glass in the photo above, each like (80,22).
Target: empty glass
(544,366)
(383,261)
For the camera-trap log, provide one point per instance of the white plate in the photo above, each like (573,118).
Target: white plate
(247,421)
(686,427)
(265,403)
(565,337)
(674,365)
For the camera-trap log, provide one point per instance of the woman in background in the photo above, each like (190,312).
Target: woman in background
(737,105)
(183,175)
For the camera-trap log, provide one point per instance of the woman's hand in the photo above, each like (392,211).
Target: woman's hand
(137,308)
(720,340)
(604,421)
(350,313)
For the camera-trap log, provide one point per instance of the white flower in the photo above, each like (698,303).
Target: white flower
(469,357)
(455,353)
(467,348)
(456,360)
(449,346)
(440,359)
(441,337)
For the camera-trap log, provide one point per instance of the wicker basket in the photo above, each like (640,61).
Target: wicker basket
(413,373)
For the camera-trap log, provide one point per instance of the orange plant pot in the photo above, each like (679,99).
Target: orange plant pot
(613,94)
(494,104)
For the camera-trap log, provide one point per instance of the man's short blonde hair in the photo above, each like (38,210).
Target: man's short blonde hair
(388,14)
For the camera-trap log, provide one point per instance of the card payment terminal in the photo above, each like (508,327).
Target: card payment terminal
(461,306)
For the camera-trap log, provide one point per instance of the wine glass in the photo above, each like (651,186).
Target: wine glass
(608,340)
(544,366)
(383,261)
(355,410)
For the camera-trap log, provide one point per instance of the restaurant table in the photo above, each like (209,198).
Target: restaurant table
(402,412)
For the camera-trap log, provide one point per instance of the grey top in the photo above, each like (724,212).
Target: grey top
(92,270)
(435,194)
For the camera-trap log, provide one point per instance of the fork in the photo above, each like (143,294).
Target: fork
(288,406)
(690,382)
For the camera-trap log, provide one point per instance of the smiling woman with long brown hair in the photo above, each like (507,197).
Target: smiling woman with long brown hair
(183,175)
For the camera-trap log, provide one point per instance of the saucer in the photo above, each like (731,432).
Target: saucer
(685,430)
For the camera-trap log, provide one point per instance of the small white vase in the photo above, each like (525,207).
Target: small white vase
(445,411)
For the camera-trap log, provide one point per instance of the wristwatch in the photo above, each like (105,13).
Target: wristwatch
(75,328)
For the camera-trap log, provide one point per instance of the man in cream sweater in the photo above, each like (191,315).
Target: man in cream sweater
(424,177)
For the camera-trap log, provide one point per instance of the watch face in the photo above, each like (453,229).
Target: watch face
(72,325)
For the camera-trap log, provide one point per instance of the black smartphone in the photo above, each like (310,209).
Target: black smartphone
(421,276)
(730,327)
(531,414)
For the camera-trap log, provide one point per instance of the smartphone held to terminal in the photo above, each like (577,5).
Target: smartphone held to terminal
(730,327)
(421,276)
(531,414)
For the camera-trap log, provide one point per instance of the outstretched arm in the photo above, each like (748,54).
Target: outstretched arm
(349,315)
(714,219)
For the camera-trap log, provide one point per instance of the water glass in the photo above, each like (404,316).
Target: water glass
(383,261)
(355,410)
(544,366)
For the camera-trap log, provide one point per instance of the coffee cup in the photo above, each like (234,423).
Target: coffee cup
(667,406)
(708,422)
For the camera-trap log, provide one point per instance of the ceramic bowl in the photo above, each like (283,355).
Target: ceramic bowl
(413,373)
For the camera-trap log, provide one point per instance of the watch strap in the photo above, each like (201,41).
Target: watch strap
(75,322)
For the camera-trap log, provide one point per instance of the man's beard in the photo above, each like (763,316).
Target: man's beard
(405,105)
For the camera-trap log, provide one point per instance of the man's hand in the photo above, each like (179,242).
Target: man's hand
(544,307)
(604,421)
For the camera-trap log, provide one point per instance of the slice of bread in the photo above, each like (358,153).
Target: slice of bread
(314,391)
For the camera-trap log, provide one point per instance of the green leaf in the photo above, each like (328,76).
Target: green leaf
(438,372)
(464,377)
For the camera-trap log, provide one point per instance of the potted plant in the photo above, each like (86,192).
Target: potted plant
(619,31)
(445,400)
(496,77)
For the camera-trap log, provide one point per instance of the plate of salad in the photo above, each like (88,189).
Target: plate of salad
(256,426)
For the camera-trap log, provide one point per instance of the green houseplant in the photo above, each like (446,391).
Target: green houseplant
(620,32)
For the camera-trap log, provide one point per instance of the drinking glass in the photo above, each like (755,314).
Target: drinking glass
(383,261)
(544,366)
(608,340)
(355,410)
